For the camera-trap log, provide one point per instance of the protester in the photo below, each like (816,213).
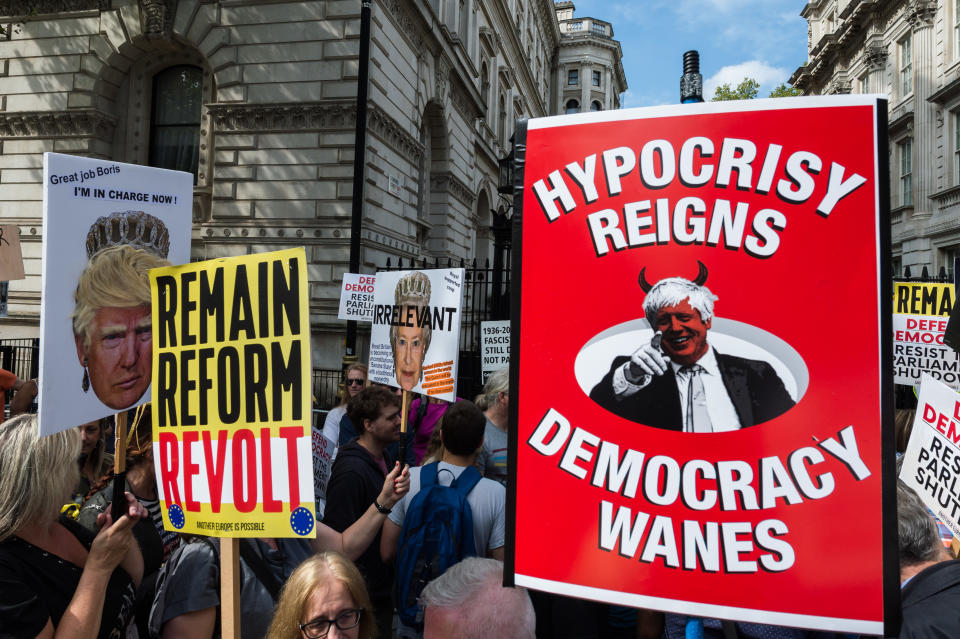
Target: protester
(25,399)
(141,480)
(469,601)
(355,380)
(187,604)
(8,381)
(324,597)
(155,542)
(57,578)
(355,479)
(495,404)
(461,432)
(425,412)
(95,461)
(929,578)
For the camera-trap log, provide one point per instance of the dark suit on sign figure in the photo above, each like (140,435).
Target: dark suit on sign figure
(678,381)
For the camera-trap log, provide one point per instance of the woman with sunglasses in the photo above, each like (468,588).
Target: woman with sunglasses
(324,597)
(354,381)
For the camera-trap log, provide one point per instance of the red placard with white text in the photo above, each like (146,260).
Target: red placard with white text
(779,510)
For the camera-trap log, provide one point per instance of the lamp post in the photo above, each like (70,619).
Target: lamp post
(359,164)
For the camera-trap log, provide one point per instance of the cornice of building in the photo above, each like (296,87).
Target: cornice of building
(58,124)
(32,8)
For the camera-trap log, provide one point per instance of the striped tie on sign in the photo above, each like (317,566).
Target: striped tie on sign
(438,378)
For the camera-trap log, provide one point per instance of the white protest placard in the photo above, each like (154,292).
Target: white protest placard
(494,346)
(323,452)
(356,297)
(415,338)
(932,457)
(105,224)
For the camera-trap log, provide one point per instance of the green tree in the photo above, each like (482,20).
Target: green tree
(746,90)
(749,88)
(785,91)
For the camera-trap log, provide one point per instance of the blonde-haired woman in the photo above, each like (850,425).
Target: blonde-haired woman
(354,381)
(56,578)
(324,597)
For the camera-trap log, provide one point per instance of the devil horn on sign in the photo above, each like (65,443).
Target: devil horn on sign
(644,284)
(702,275)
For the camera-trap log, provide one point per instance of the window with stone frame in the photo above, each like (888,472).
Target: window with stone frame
(572,106)
(596,78)
(956,30)
(596,106)
(175,119)
(905,173)
(955,144)
(906,66)
(897,266)
(946,256)
(863,83)
(573,77)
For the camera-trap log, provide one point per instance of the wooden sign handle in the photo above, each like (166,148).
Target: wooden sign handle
(229,587)
(404,412)
(118,499)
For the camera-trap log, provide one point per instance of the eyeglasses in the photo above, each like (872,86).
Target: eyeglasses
(354,382)
(320,626)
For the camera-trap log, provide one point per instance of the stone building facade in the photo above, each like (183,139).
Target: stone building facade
(910,51)
(262,95)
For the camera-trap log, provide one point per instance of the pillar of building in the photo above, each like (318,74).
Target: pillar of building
(924,112)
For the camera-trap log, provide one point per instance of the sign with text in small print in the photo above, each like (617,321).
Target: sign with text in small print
(11,259)
(931,463)
(323,455)
(415,338)
(921,311)
(231,396)
(105,225)
(494,346)
(667,380)
(356,297)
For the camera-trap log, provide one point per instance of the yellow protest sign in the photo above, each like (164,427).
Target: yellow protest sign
(231,396)
(920,314)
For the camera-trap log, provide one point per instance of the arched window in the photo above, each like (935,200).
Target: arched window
(175,119)
(595,106)
(572,107)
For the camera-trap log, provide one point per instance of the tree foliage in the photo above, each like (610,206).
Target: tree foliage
(785,91)
(749,88)
(746,90)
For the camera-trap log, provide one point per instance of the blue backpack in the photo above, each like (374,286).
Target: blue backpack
(437,533)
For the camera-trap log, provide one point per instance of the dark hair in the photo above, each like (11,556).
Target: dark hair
(367,405)
(919,539)
(462,428)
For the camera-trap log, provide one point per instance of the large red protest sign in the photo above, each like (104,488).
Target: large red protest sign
(740,476)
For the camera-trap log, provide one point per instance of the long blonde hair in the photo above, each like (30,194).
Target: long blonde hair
(304,581)
(37,474)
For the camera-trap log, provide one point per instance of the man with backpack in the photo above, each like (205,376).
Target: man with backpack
(449,513)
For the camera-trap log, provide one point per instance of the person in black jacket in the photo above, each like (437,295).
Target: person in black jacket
(929,579)
(355,481)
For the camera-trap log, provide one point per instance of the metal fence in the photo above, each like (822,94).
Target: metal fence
(486,296)
(326,384)
(21,356)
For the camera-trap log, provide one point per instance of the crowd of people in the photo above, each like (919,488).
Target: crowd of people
(67,569)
